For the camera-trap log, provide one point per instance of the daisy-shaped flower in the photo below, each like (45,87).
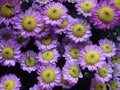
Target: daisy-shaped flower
(71,72)
(54,13)
(114,84)
(10,82)
(28,61)
(92,57)
(7,34)
(104,74)
(48,56)
(65,84)
(72,51)
(116,69)
(117,3)
(108,47)
(79,31)
(49,76)
(85,7)
(64,27)
(105,15)
(46,43)
(28,23)
(96,85)
(8,10)
(9,53)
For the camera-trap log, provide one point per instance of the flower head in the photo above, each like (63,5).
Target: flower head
(105,15)
(92,57)
(10,82)
(54,13)
(104,74)
(28,61)
(29,23)
(79,31)
(85,7)
(49,76)
(8,10)
(48,56)
(9,53)
(72,51)
(108,47)
(71,72)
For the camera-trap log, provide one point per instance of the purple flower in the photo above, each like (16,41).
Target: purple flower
(10,82)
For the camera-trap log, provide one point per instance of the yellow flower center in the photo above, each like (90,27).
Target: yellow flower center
(64,24)
(9,85)
(74,52)
(74,71)
(6,36)
(48,55)
(43,0)
(29,23)
(103,72)
(114,85)
(46,41)
(65,82)
(87,6)
(54,13)
(7,10)
(100,86)
(92,57)
(117,3)
(20,39)
(116,59)
(30,61)
(7,53)
(48,75)
(107,48)
(79,30)
(106,14)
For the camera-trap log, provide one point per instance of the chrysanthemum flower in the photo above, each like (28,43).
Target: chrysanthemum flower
(48,56)
(72,51)
(64,27)
(49,76)
(9,53)
(114,84)
(95,85)
(10,82)
(54,13)
(47,42)
(117,3)
(71,72)
(65,84)
(108,47)
(104,74)
(92,57)
(7,34)
(28,61)
(116,69)
(85,7)
(105,15)
(8,10)
(79,31)
(29,23)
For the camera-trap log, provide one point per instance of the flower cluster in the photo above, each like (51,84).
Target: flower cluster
(45,33)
